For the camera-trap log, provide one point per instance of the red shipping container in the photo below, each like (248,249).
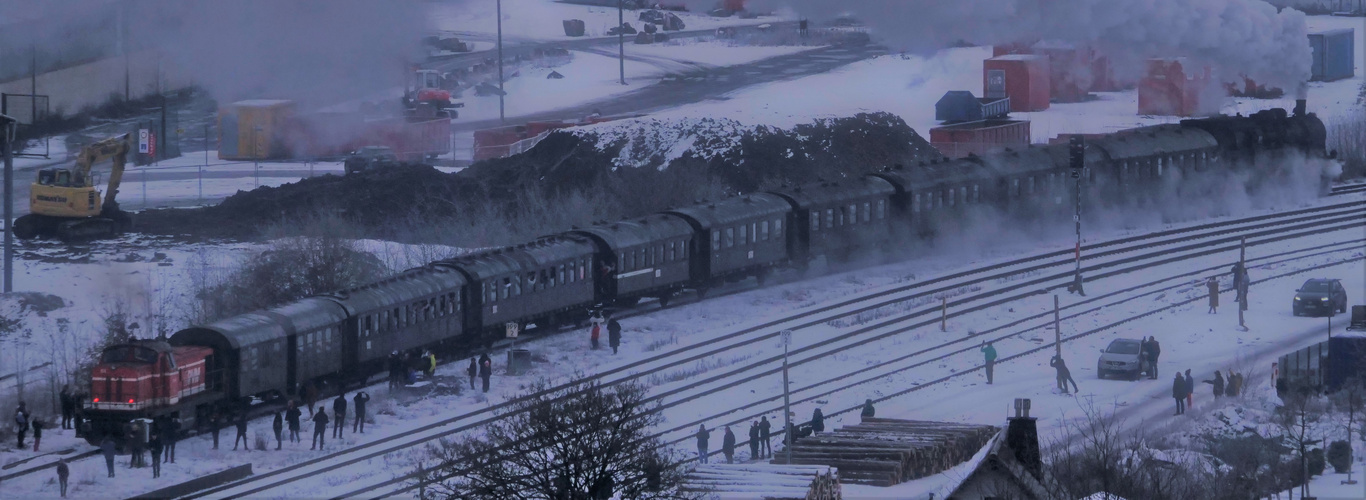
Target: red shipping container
(979,137)
(1169,90)
(1104,77)
(1021,77)
(1069,67)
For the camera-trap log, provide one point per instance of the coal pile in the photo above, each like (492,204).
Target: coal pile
(620,169)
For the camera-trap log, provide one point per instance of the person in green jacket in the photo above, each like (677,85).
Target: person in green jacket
(990,353)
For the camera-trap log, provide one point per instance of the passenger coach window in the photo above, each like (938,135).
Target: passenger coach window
(853,214)
(829,218)
(915,204)
(763,229)
(867,214)
(951,197)
(976,194)
(815,220)
(716,240)
(730,237)
(753,232)
(777,228)
(671,251)
(742,234)
(881,209)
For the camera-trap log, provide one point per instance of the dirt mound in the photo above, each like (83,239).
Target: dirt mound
(572,177)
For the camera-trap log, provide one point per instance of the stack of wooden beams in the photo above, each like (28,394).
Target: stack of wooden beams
(764,482)
(884,451)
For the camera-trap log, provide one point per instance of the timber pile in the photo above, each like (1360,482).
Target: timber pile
(764,482)
(885,452)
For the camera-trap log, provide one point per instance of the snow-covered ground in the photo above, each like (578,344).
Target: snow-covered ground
(713,52)
(542,20)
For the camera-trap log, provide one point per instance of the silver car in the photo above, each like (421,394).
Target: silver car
(1123,356)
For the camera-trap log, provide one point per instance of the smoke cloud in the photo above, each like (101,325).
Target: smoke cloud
(312,51)
(1237,37)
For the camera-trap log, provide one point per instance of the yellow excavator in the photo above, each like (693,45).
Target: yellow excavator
(66,203)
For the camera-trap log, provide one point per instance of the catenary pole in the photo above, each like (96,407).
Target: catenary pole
(621,39)
(501,110)
(7,125)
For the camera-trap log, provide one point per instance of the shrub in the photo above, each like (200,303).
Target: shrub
(1316,462)
(1340,456)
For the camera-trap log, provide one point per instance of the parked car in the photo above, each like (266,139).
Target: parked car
(369,158)
(1320,295)
(1122,356)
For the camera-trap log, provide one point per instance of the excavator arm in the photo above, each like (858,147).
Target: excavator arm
(114,147)
(120,157)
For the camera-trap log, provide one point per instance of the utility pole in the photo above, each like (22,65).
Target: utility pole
(7,126)
(621,39)
(1077,150)
(501,117)
(33,84)
(787,401)
(1242,283)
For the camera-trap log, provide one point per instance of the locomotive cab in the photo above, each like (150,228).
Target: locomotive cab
(140,379)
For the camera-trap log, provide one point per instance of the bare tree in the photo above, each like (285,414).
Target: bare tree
(1351,399)
(582,442)
(1299,419)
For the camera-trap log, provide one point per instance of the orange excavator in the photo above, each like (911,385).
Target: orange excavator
(67,204)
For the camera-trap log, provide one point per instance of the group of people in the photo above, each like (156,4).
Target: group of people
(760,433)
(159,439)
(613,331)
(404,369)
(1183,388)
(1150,349)
(1240,286)
(483,368)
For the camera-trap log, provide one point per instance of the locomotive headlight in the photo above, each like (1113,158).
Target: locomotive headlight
(1297,297)
(1324,299)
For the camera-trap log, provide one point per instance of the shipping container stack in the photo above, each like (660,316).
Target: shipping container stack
(251,129)
(1024,78)
(1171,88)
(975,126)
(1074,72)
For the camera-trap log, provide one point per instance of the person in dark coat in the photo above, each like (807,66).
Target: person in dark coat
(310,397)
(1064,375)
(754,440)
(1237,272)
(1154,351)
(215,423)
(765,449)
(1190,388)
(155,445)
(989,354)
(594,333)
(613,334)
(1212,287)
(278,425)
(1230,389)
(292,416)
(702,437)
(1179,393)
(728,445)
(138,445)
(1218,383)
(241,432)
(485,370)
(170,432)
(817,421)
(319,428)
(107,447)
(21,423)
(339,415)
(360,400)
(395,370)
(473,371)
(78,414)
(37,432)
(63,473)
(68,406)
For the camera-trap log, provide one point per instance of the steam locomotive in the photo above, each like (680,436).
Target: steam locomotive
(342,338)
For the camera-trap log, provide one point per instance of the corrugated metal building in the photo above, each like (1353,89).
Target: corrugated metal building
(979,137)
(1334,54)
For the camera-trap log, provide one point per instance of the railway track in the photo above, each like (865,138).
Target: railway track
(693,394)
(1347,189)
(24,471)
(1221,232)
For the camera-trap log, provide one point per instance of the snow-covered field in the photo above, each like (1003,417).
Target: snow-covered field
(542,20)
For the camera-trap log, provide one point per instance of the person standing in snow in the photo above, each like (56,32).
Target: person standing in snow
(1179,394)
(1064,375)
(1212,286)
(292,415)
(319,429)
(1231,388)
(485,370)
(339,415)
(68,406)
(817,421)
(613,334)
(1243,289)
(107,447)
(215,424)
(1218,383)
(728,445)
(21,423)
(1154,350)
(702,437)
(989,353)
(754,440)
(765,449)
(1237,272)
(63,473)
(595,332)
(156,447)
(360,400)
(170,432)
(278,425)
(1190,389)
(868,410)
(473,371)
(241,432)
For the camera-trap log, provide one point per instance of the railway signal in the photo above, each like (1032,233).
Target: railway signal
(1077,160)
